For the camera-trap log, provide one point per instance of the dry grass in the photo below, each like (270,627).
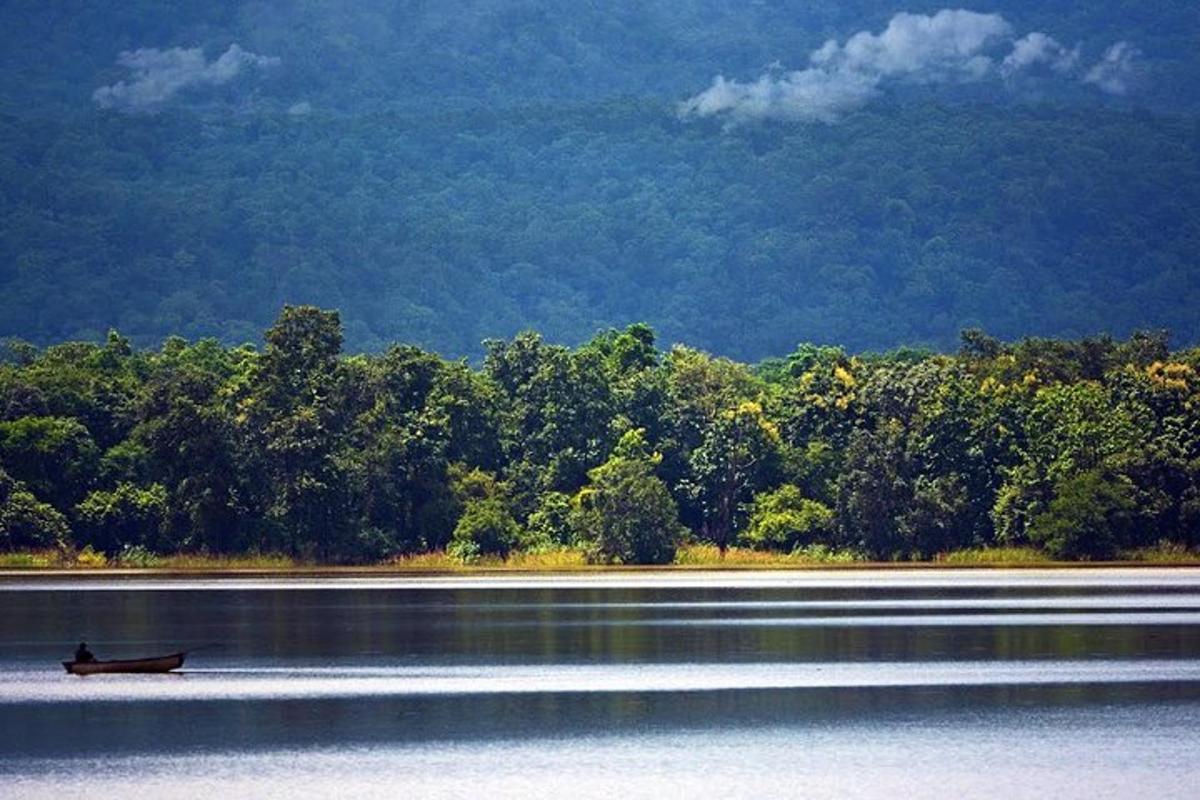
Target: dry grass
(439,561)
(567,560)
(39,560)
(550,560)
(707,555)
(250,561)
(993,556)
(1164,553)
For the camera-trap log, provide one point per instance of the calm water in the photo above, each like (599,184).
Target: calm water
(918,684)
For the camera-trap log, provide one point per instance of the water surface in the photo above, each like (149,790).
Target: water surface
(926,683)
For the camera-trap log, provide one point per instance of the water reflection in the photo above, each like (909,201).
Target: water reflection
(315,687)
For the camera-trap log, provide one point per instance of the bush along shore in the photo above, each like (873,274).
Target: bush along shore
(199,455)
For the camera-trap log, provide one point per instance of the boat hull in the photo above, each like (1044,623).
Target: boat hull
(158,664)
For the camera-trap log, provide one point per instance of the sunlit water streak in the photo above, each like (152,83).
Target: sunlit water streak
(918,683)
(1094,754)
(258,683)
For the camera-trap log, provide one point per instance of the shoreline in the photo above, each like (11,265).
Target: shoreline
(857,571)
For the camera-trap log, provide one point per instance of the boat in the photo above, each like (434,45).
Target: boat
(158,664)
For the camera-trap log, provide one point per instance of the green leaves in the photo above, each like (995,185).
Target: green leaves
(625,515)
(784,520)
(1084,449)
(126,516)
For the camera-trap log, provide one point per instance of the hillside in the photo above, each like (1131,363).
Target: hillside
(446,173)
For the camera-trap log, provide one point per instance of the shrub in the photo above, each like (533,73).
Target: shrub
(134,555)
(127,515)
(1086,518)
(486,528)
(549,527)
(27,523)
(784,520)
(626,515)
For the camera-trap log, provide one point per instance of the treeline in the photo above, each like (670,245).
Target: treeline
(1081,448)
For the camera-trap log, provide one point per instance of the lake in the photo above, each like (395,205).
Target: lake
(831,684)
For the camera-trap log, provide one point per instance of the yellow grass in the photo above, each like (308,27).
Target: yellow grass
(707,555)
(1164,553)
(993,556)
(39,560)
(200,561)
(439,561)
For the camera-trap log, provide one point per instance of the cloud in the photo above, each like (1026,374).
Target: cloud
(947,46)
(944,46)
(159,75)
(1039,49)
(950,46)
(301,109)
(1115,72)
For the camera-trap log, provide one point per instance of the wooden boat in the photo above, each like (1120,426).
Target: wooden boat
(159,664)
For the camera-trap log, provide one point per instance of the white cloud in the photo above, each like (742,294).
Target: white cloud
(1039,49)
(946,46)
(1115,72)
(158,75)
(950,46)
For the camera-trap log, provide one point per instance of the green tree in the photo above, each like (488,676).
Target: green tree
(625,515)
(54,456)
(550,525)
(295,429)
(785,519)
(485,529)
(738,456)
(127,516)
(26,523)
(1088,517)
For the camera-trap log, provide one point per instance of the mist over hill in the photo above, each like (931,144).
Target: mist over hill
(742,176)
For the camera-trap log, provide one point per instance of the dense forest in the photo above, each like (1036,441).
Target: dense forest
(1083,449)
(447,172)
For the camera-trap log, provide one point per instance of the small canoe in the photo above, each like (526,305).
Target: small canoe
(159,664)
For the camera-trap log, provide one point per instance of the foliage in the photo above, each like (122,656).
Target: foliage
(486,528)
(127,516)
(26,523)
(135,555)
(784,520)
(90,559)
(625,515)
(1003,452)
(549,527)
(1087,517)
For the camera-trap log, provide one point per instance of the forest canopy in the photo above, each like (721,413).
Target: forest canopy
(1083,449)
(447,172)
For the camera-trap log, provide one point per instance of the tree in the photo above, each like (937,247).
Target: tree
(54,456)
(625,515)
(550,525)
(738,456)
(1088,517)
(485,529)
(26,523)
(127,516)
(785,519)
(295,427)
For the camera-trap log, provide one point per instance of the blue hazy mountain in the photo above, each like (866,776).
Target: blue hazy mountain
(860,172)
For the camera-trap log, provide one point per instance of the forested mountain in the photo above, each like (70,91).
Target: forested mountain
(453,171)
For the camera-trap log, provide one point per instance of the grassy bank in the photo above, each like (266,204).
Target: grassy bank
(688,557)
